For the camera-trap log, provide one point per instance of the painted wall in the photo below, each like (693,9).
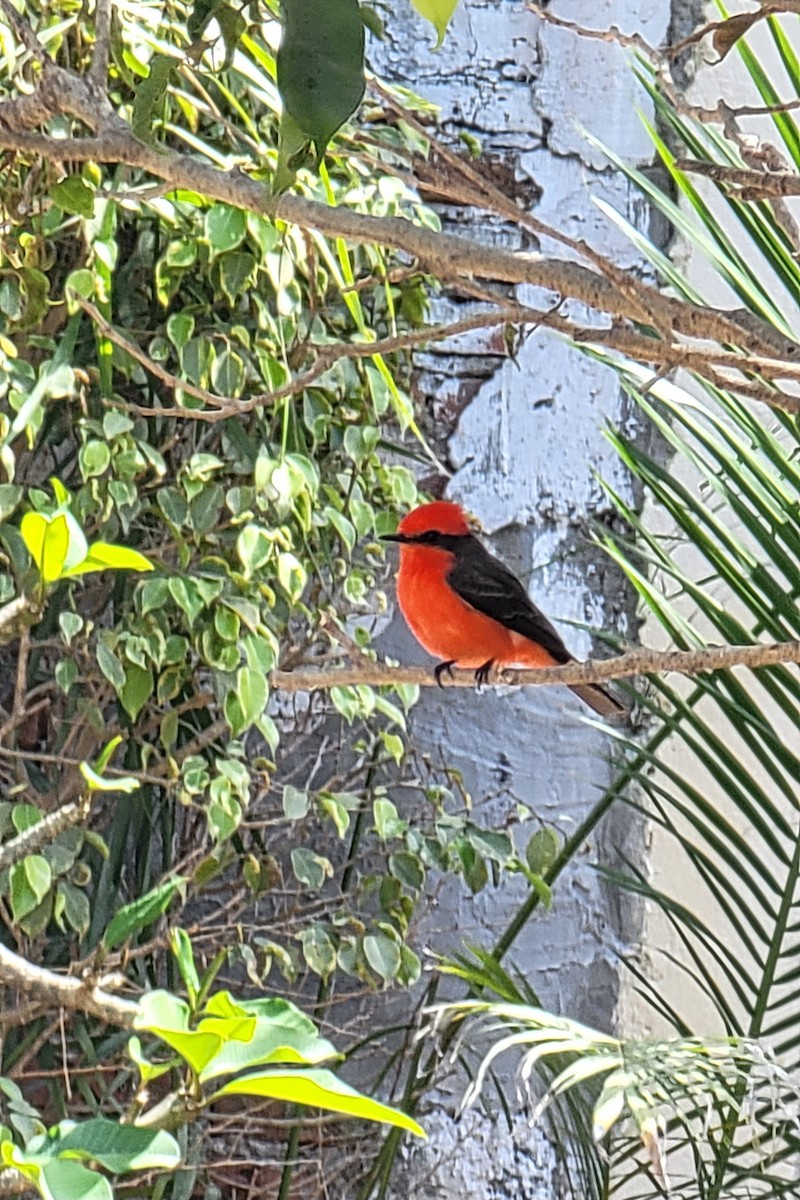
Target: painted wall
(524,453)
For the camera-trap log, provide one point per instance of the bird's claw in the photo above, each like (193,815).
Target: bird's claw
(482,674)
(444,668)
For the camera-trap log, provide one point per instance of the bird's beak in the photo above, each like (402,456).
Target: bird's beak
(393,537)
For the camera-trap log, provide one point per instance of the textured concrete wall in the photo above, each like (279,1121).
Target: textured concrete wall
(527,444)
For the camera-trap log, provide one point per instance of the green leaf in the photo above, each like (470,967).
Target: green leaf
(383,955)
(180,327)
(291,575)
(73,195)
(76,906)
(318,950)
(387,822)
(295,803)
(102,556)
(118,1148)
(147,1071)
(438,12)
(309,868)
(47,540)
(61,1179)
(110,665)
(71,624)
(149,93)
(137,689)
(491,844)
(99,783)
(408,869)
(30,881)
(542,850)
(226,227)
(252,693)
(320,65)
(10,496)
(181,945)
(321,1089)
(279,1037)
(473,865)
(133,917)
(235,273)
(337,811)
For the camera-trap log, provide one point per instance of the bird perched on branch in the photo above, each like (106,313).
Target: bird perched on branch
(466,608)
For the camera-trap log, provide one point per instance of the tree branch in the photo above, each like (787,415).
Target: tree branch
(634,663)
(44,832)
(751,185)
(64,991)
(450,257)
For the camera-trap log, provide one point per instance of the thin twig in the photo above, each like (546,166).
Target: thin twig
(327,357)
(633,663)
(753,185)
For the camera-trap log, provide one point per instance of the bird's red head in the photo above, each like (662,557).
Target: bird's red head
(440,516)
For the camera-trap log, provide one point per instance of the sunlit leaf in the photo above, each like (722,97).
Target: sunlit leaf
(321,1089)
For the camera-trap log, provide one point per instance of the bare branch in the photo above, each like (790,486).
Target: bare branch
(634,663)
(753,185)
(44,832)
(64,991)
(98,72)
(327,357)
(727,32)
(446,255)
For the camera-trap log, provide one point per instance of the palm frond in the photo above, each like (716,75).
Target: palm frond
(719,1097)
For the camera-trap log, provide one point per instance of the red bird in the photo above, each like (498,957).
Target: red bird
(466,608)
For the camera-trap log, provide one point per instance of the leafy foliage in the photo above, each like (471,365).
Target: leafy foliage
(163,567)
(205,531)
(53,1160)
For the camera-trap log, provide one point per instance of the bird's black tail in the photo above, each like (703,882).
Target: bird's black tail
(599,699)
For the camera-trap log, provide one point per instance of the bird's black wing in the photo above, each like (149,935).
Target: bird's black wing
(483,581)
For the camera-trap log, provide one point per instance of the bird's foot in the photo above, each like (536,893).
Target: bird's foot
(482,674)
(444,668)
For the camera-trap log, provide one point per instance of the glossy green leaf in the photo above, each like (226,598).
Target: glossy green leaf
(321,1089)
(74,196)
(252,693)
(321,65)
(134,917)
(30,881)
(383,955)
(101,556)
(118,1148)
(309,868)
(47,540)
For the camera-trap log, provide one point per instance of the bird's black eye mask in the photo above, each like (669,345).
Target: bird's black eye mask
(431,537)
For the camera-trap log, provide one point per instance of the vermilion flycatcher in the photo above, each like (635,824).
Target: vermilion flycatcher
(466,608)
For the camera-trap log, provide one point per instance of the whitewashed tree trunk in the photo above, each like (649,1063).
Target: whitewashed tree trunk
(525,451)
